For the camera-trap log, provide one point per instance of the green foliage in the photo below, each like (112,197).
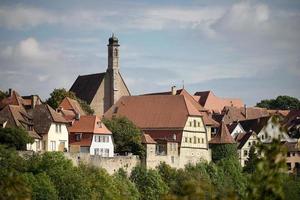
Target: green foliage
(15,137)
(149,183)
(221,151)
(12,185)
(267,180)
(3,95)
(58,95)
(127,137)
(251,161)
(281,102)
(291,187)
(41,186)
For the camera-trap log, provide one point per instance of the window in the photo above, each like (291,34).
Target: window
(294,154)
(58,128)
(195,139)
(245,152)
(195,123)
(38,145)
(106,153)
(190,140)
(198,124)
(202,140)
(289,166)
(172,159)
(78,136)
(96,151)
(198,140)
(53,145)
(249,144)
(262,137)
(186,139)
(190,123)
(288,154)
(99,124)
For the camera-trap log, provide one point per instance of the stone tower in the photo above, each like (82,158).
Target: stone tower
(113,68)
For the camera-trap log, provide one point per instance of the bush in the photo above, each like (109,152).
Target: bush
(15,137)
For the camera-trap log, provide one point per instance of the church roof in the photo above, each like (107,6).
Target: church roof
(223,136)
(86,86)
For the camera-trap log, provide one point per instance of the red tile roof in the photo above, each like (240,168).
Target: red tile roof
(71,104)
(209,101)
(85,141)
(223,136)
(147,139)
(88,124)
(165,135)
(154,111)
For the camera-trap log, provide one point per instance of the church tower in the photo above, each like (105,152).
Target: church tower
(113,68)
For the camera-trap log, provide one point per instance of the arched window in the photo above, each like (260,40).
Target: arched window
(116,52)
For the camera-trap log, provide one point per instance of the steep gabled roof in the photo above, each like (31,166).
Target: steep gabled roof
(13,99)
(242,141)
(147,139)
(89,124)
(71,104)
(43,116)
(255,125)
(85,87)
(154,111)
(223,136)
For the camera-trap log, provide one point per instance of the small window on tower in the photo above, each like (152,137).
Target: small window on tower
(116,52)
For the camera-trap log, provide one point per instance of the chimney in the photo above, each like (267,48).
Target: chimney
(33,101)
(9,92)
(77,116)
(173,90)
(245,109)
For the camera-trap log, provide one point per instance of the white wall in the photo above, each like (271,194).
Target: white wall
(34,146)
(102,145)
(57,137)
(238,129)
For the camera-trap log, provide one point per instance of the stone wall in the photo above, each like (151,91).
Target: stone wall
(110,164)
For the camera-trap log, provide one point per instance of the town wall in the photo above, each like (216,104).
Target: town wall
(111,165)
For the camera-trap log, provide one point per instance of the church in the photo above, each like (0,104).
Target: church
(102,90)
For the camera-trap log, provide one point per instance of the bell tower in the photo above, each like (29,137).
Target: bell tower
(113,68)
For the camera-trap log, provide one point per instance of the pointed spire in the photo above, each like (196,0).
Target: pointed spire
(223,136)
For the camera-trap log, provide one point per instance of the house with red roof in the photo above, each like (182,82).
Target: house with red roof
(172,121)
(89,135)
(215,104)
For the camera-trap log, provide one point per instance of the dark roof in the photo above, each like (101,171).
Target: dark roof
(255,125)
(232,126)
(43,116)
(85,87)
(244,139)
(223,136)
(292,146)
(203,96)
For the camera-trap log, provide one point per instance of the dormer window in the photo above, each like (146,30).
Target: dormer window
(99,124)
(78,136)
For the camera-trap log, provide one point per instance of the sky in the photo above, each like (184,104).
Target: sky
(242,49)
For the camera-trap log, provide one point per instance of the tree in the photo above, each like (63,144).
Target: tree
(3,95)
(41,186)
(221,151)
(267,180)
(127,137)
(15,137)
(12,184)
(58,95)
(281,102)
(149,183)
(251,161)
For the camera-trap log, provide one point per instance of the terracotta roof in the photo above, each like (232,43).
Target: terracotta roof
(206,118)
(86,139)
(14,99)
(283,113)
(292,119)
(154,111)
(85,87)
(17,117)
(71,104)
(88,124)
(233,114)
(223,136)
(147,139)
(209,101)
(165,135)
